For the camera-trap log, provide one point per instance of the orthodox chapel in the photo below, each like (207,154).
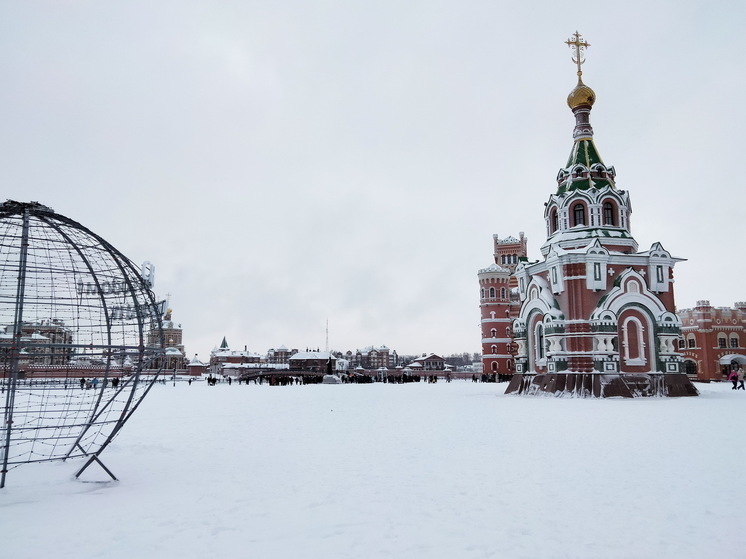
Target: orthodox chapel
(597,316)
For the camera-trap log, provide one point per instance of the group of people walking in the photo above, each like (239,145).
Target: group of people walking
(736,377)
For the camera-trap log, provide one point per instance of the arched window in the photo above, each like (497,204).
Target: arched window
(691,342)
(494,350)
(609,214)
(734,341)
(494,366)
(554,220)
(722,342)
(492,292)
(578,214)
(493,333)
(483,293)
(502,293)
(539,349)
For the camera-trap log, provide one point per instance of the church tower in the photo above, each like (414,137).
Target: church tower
(499,305)
(597,317)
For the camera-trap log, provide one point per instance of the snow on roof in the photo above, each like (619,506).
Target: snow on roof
(234,353)
(312,355)
(493,268)
(508,240)
(370,348)
(226,366)
(429,356)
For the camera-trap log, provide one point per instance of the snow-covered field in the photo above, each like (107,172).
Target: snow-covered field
(403,471)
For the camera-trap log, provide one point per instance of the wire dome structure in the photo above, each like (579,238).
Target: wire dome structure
(80,334)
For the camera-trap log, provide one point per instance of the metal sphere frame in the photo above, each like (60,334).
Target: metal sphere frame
(80,336)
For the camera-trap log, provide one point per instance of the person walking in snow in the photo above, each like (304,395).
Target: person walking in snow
(739,375)
(733,377)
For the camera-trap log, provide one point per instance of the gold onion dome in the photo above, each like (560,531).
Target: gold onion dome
(581,95)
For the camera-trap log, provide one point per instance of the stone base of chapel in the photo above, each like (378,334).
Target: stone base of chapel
(602,385)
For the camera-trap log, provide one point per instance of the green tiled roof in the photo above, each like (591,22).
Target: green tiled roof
(585,153)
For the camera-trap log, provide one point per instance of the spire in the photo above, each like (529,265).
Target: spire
(224,344)
(584,168)
(581,98)
(578,44)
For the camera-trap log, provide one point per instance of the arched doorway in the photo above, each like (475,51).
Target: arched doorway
(690,367)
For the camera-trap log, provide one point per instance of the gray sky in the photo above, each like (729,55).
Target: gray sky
(284,163)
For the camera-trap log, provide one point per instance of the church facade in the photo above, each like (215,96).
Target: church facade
(597,316)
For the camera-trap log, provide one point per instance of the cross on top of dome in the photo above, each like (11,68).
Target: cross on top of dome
(578,45)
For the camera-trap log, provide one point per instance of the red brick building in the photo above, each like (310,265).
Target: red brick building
(713,339)
(224,358)
(375,357)
(499,304)
(280,355)
(313,361)
(429,362)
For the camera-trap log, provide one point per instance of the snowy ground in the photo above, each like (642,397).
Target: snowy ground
(403,471)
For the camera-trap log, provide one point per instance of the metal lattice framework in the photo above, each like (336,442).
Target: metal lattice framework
(79,330)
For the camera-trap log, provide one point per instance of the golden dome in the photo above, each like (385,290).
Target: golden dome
(581,95)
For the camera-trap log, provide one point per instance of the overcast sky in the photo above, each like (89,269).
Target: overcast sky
(284,163)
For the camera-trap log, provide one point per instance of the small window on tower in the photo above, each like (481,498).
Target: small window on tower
(597,271)
(578,212)
(609,214)
(659,273)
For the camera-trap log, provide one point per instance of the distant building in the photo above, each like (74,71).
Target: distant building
(223,358)
(44,342)
(713,339)
(281,355)
(174,356)
(375,357)
(196,367)
(313,361)
(499,304)
(429,362)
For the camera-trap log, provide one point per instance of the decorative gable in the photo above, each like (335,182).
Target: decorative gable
(596,273)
